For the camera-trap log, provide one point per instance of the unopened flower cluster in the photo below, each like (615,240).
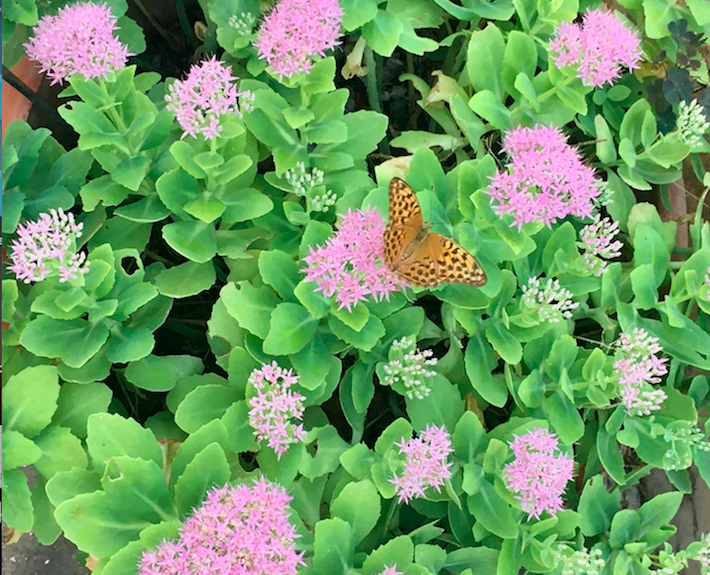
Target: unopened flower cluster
(242,24)
(351,264)
(684,436)
(550,301)
(426,464)
(274,407)
(78,39)
(703,555)
(538,475)
(637,367)
(601,45)
(45,248)
(207,94)
(238,529)
(599,244)
(579,562)
(545,179)
(407,368)
(692,123)
(707,279)
(304,180)
(296,31)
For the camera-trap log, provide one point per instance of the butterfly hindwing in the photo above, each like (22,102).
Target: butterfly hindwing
(405,220)
(454,263)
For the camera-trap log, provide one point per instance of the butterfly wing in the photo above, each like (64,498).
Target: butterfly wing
(404,223)
(440,259)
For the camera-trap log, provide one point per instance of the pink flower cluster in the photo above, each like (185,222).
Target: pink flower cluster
(390,570)
(426,464)
(537,475)
(274,406)
(601,45)
(45,248)
(78,39)
(636,369)
(204,96)
(598,240)
(544,180)
(351,264)
(238,530)
(297,30)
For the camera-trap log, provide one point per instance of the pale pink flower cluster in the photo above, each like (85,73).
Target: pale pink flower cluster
(297,30)
(390,570)
(78,39)
(537,474)
(598,240)
(44,248)
(544,180)
(207,94)
(426,464)
(275,406)
(351,264)
(238,530)
(636,369)
(601,45)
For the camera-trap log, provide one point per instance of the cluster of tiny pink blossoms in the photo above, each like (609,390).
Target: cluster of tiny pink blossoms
(636,369)
(600,45)
(537,475)
(426,464)
(78,39)
(390,570)
(297,30)
(598,241)
(207,94)
(275,406)
(351,264)
(544,180)
(44,248)
(239,530)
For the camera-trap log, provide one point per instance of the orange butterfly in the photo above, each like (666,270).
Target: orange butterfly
(419,256)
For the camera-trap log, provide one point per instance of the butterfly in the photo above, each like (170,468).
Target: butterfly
(416,254)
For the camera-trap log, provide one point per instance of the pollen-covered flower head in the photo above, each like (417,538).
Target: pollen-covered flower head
(426,464)
(351,264)
(601,45)
(538,475)
(46,248)
(239,530)
(208,93)
(78,39)
(545,179)
(636,369)
(297,30)
(275,406)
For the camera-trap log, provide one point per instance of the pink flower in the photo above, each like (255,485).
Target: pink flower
(297,30)
(636,369)
(601,45)
(537,475)
(426,464)
(390,570)
(45,248)
(238,530)
(597,239)
(274,406)
(351,264)
(544,180)
(78,39)
(204,96)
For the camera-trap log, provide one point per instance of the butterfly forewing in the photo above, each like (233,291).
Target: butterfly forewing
(419,257)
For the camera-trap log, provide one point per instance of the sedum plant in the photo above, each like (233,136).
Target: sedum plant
(215,361)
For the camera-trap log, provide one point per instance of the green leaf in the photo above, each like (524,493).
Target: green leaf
(478,360)
(153,373)
(442,406)
(61,451)
(193,240)
(73,341)
(520,58)
(17,511)
(366,129)
(658,512)
(208,469)
(128,344)
(504,342)
(649,248)
(45,527)
(251,307)
(382,33)
(110,436)
(131,172)
(311,364)
(245,204)
(356,13)
(564,417)
(597,506)
(493,512)
(18,451)
(320,77)
(241,434)
(185,280)
(644,287)
(623,528)
(279,270)
(610,456)
(203,404)
(332,547)
(632,123)
(397,551)
(364,339)
(358,504)
(77,402)
(469,437)
(291,328)
(488,46)
(574,98)
(30,400)
(487,105)
(606,150)
(658,14)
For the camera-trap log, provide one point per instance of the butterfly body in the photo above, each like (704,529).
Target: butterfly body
(418,255)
